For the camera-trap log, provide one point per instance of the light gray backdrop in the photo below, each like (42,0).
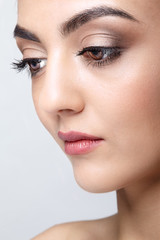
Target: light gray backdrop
(37,188)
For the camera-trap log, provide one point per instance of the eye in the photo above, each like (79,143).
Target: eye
(100,56)
(96,54)
(34,65)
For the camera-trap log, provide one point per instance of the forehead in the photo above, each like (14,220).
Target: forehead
(49,14)
(62,8)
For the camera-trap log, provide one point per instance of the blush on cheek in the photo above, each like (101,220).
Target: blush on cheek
(133,118)
(138,96)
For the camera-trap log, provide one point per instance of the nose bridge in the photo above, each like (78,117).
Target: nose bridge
(60,91)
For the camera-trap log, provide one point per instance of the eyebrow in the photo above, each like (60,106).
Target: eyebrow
(78,20)
(88,15)
(25,34)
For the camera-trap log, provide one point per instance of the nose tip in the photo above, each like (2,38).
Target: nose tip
(61,99)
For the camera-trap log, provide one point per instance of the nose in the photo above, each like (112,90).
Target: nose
(60,93)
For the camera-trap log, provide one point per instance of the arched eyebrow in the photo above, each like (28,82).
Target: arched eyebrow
(77,21)
(25,34)
(88,15)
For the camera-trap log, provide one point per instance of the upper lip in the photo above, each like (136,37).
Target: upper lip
(75,136)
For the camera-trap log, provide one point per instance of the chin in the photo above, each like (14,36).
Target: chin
(92,188)
(103,178)
(97,185)
(93,182)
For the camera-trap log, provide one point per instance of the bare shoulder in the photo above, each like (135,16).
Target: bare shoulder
(86,230)
(60,231)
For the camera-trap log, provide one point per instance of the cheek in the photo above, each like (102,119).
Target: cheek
(136,103)
(135,112)
(36,91)
(135,121)
(48,119)
(129,119)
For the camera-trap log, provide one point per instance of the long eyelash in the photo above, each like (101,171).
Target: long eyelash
(99,63)
(20,65)
(91,48)
(96,48)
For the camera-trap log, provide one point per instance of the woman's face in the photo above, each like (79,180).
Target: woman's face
(100,75)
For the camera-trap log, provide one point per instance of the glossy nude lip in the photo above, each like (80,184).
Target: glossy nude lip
(81,146)
(77,143)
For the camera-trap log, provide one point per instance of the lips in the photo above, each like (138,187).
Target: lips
(75,136)
(77,143)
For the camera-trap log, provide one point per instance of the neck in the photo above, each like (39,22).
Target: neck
(139,210)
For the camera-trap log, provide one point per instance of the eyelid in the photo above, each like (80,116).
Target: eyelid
(30,47)
(109,37)
(113,54)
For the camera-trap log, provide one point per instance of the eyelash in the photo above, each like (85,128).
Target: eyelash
(20,65)
(111,53)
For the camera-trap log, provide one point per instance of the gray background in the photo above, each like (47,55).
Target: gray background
(37,187)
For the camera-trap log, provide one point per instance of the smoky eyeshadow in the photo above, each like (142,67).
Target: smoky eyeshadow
(107,31)
(101,39)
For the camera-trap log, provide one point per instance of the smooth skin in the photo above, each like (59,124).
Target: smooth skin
(118,101)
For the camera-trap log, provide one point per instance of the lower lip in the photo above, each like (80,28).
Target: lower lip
(81,146)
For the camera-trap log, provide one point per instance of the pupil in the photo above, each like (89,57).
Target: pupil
(34,63)
(96,54)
